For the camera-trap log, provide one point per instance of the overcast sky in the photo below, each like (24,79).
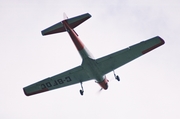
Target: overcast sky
(149,86)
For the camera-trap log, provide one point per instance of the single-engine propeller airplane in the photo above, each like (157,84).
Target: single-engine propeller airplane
(90,68)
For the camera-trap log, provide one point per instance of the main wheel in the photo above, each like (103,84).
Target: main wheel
(117,77)
(81,92)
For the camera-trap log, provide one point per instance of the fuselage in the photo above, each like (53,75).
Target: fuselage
(88,62)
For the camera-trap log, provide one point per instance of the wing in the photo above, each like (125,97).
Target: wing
(67,78)
(117,59)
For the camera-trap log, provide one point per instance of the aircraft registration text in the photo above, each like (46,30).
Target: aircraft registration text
(56,82)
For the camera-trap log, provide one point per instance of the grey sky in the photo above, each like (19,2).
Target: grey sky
(149,87)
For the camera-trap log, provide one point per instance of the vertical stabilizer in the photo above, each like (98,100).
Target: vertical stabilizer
(65,16)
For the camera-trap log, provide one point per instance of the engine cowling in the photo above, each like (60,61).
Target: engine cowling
(104,84)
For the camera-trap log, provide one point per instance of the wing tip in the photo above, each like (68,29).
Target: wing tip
(155,46)
(162,40)
(25,92)
(33,93)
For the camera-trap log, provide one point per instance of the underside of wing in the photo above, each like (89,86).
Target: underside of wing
(117,59)
(67,78)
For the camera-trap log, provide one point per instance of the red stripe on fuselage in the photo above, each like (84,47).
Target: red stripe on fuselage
(79,45)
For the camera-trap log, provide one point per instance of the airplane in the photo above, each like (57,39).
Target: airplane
(91,68)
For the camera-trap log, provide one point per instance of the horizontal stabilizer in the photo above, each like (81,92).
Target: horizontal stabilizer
(73,22)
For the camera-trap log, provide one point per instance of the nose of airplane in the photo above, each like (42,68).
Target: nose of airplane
(104,84)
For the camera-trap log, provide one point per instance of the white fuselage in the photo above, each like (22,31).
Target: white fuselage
(89,63)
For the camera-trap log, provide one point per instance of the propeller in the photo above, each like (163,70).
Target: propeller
(99,91)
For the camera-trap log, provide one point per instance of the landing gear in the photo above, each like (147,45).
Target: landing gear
(116,77)
(82,90)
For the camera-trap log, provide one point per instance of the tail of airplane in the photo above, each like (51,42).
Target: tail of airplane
(73,22)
